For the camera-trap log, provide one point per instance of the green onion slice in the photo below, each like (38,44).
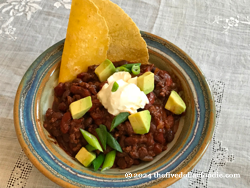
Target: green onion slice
(115,87)
(97,162)
(91,139)
(130,65)
(119,69)
(102,134)
(109,160)
(112,142)
(136,69)
(120,118)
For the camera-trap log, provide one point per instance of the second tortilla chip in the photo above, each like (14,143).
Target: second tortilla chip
(126,42)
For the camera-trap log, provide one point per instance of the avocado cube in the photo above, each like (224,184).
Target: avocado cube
(85,157)
(146,82)
(140,121)
(105,70)
(80,107)
(175,103)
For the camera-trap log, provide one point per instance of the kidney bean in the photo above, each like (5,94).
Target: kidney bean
(120,63)
(157,149)
(151,97)
(176,125)
(121,163)
(55,132)
(132,140)
(151,153)
(55,105)
(56,116)
(85,85)
(77,80)
(69,100)
(88,121)
(146,67)
(63,107)
(119,154)
(134,154)
(59,89)
(95,104)
(121,141)
(159,137)
(136,162)
(164,147)
(49,113)
(169,135)
(76,97)
(87,76)
(79,90)
(152,128)
(92,89)
(77,148)
(65,122)
(169,122)
(91,69)
(65,94)
(150,139)
(142,152)
(127,149)
(67,86)
(66,137)
(129,128)
(129,161)
(147,158)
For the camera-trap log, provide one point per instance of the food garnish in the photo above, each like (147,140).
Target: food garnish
(175,103)
(80,107)
(140,121)
(105,70)
(85,157)
(120,118)
(98,161)
(112,142)
(130,65)
(129,68)
(109,160)
(115,87)
(120,69)
(102,134)
(135,69)
(146,82)
(128,98)
(91,139)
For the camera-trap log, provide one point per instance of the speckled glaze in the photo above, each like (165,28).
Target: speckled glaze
(35,95)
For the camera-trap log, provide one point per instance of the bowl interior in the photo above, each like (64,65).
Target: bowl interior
(161,61)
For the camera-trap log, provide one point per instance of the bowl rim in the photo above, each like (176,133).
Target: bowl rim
(165,182)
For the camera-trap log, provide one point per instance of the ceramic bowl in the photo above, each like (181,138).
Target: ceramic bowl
(35,96)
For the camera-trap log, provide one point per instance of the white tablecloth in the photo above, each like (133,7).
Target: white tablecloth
(215,33)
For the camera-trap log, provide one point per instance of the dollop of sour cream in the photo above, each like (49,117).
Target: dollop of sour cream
(127,98)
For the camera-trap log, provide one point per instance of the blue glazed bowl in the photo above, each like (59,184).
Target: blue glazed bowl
(35,96)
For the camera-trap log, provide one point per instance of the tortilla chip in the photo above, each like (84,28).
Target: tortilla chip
(86,41)
(126,42)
